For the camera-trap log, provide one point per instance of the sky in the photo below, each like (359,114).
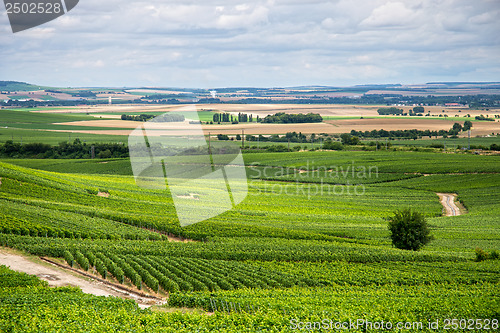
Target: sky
(269,43)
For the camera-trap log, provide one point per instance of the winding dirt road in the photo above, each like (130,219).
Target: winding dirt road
(448,202)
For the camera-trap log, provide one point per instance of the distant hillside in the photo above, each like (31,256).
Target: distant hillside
(17,86)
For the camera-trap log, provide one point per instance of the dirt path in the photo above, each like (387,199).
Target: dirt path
(58,277)
(448,202)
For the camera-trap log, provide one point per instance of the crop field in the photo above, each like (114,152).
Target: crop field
(26,126)
(309,243)
(102,122)
(451,143)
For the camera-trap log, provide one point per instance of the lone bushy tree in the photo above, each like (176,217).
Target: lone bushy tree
(409,230)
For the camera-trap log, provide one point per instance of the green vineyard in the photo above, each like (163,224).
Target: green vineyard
(310,242)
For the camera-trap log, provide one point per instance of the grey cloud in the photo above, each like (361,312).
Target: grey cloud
(260,43)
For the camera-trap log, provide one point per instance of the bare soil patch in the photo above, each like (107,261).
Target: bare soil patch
(118,108)
(173,238)
(346,125)
(99,132)
(111,123)
(107,116)
(192,196)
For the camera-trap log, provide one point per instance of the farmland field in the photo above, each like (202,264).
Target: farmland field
(308,244)
(103,120)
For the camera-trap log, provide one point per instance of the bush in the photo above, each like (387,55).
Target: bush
(100,268)
(68,257)
(409,230)
(481,255)
(494,255)
(82,260)
(277,148)
(329,144)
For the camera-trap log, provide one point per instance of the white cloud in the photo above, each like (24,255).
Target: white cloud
(485,18)
(259,43)
(390,14)
(89,64)
(242,17)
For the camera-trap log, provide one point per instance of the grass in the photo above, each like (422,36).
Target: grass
(15,117)
(45,121)
(474,141)
(53,138)
(44,109)
(19,86)
(24,126)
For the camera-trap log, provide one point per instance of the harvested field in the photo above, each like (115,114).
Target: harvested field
(352,119)
(333,110)
(346,125)
(112,108)
(330,126)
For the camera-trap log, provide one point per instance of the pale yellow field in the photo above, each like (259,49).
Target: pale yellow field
(119,108)
(334,126)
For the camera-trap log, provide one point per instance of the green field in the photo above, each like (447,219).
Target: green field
(310,242)
(450,143)
(45,121)
(23,126)
(53,138)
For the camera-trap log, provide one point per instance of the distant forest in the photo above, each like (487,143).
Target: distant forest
(473,101)
(285,118)
(164,118)
(75,149)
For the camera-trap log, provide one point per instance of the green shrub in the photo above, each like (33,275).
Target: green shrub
(481,255)
(409,230)
(100,268)
(82,260)
(91,191)
(333,145)
(68,257)
(494,255)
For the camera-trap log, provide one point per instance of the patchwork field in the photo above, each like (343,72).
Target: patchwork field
(104,119)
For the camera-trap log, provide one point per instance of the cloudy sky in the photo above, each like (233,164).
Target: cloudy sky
(221,43)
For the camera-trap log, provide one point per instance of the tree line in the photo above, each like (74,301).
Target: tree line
(166,117)
(141,117)
(284,118)
(414,133)
(417,110)
(229,118)
(76,150)
(279,118)
(481,117)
